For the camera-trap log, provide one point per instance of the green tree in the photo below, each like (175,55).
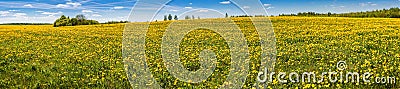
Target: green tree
(74,21)
(176,17)
(80,17)
(79,20)
(169,17)
(187,17)
(62,21)
(63,17)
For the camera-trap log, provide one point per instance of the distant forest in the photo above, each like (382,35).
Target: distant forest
(385,13)
(80,20)
(26,24)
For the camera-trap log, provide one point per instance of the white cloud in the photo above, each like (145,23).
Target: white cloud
(50,13)
(188,7)
(368,4)
(28,5)
(20,14)
(69,5)
(39,11)
(4,13)
(96,15)
(267,5)
(13,10)
(174,10)
(202,11)
(118,7)
(74,4)
(363,4)
(337,7)
(246,7)
(225,2)
(87,11)
(62,6)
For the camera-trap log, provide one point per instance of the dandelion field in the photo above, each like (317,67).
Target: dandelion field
(47,57)
(91,56)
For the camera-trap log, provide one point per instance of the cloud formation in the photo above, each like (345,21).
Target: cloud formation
(118,7)
(188,7)
(87,11)
(174,10)
(267,5)
(246,7)
(28,5)
(74,4)
(62,6)
(69,5)
(4,13)
(368,4)
(50,13)
(225,2)
(96,15)
(19,14)
(202,11)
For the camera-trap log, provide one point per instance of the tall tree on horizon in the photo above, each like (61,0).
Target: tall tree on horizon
(176,17)
(80,17)
(187,17)
(169,17)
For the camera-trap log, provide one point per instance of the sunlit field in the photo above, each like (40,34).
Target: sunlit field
(42,56)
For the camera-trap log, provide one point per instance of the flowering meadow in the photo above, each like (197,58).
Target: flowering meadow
(43,56)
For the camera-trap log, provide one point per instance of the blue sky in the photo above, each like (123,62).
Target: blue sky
(46,11)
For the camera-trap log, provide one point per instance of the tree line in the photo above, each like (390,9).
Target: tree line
(188,17)
(169,17)
(175,17)
(227,16)
(26,24)
(384,13)
(78,20)
(115,22)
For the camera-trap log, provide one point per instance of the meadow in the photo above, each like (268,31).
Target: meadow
(42,56)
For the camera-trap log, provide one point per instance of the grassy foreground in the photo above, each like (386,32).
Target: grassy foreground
(91,56)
